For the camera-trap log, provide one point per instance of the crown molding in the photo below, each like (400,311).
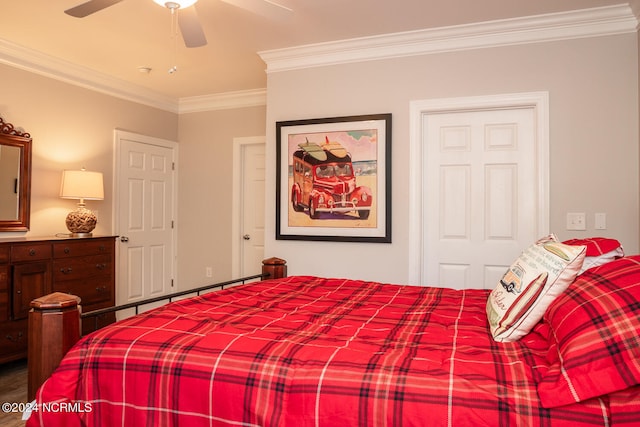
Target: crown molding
(595,22)
(39,63)
(223,101)
(55,68)
(602,21)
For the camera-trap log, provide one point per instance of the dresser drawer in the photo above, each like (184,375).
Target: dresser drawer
(13,339)
(98,290)
(30,252)
(4,278)
(74,248)
(4,254)
(4,292)
(85,267)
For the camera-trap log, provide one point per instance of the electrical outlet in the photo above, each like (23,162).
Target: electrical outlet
(208,271)
(576,221)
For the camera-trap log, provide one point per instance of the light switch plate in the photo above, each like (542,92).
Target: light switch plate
(576,221)
(600,222)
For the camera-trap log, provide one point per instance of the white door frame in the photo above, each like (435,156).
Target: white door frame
(118,136)
(236,202)
(539,101)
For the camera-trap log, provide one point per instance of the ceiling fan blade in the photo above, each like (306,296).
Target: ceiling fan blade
(274,9)
(92,6)
(190,27)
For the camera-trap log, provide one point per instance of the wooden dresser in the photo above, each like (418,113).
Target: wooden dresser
(33,267)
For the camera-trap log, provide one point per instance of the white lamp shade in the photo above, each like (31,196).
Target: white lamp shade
(82,184)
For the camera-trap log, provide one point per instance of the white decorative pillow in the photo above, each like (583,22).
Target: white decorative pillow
(532,282)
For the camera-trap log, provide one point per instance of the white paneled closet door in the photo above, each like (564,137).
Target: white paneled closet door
(480,195)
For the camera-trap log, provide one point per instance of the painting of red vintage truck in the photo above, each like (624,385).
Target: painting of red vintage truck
(333,179)
(324,181)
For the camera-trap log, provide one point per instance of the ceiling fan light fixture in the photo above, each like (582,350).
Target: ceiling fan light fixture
(175,4)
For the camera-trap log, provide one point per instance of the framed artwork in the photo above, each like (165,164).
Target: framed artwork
(333,179)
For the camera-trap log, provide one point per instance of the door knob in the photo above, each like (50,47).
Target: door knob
(246,237)
(124,239)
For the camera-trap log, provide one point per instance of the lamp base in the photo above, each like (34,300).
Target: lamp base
(81,222)
(79,235)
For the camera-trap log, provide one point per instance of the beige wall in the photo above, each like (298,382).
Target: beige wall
(71,127)
(593,96)
(205,171)
(594,156)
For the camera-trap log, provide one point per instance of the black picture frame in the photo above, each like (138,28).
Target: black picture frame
(333,179)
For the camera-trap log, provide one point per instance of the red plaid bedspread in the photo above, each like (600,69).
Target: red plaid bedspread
(306,351)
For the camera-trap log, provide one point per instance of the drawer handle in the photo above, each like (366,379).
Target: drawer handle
(67,270)
(67,250)
(32,252)
(101,266)
(101,289)
(15,339)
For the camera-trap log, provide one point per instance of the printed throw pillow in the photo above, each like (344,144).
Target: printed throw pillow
(541,273)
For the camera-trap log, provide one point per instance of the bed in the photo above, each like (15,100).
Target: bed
(311,351)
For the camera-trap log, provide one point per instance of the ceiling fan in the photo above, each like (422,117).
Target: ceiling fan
(188,21)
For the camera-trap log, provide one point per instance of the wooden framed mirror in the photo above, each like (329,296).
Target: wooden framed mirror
(15,178)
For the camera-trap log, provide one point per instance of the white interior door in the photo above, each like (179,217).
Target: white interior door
(479,187)
(248,212)
(481,193)
(253,209)
(146,194)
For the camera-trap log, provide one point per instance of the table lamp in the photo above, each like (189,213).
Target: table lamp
(81,185)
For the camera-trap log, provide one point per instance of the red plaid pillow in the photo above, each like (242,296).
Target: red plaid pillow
(593,334)
(600,250)
(596,246)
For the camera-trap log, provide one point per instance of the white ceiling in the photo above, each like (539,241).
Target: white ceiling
(113,43)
